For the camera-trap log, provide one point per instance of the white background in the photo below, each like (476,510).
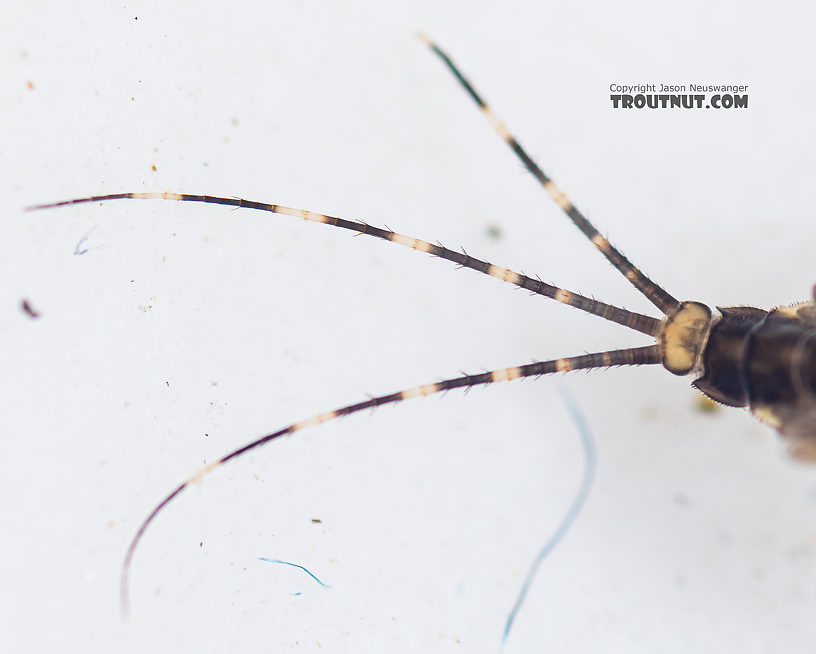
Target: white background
(186,330)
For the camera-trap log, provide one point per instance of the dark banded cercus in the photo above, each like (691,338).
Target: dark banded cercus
(738,356)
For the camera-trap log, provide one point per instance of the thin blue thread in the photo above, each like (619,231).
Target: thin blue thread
(575,508)
(294,565)
(81,241)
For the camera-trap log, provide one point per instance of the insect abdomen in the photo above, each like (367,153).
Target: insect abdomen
(725,355)
(767,361)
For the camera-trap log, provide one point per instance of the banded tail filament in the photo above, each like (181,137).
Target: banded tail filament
(738,356)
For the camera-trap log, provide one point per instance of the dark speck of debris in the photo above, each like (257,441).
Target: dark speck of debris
(26,307)
(494,232)
(316,521)
(201,544)
(206,435)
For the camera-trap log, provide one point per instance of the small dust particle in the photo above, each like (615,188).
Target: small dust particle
(706,405)
(650,412)
(30,85)
(25,305)
(681,500)
(316,521)
(494,232)
(153,168)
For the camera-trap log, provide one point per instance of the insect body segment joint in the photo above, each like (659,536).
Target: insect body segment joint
(684,337)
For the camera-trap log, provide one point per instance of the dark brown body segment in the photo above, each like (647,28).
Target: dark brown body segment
(767,361)
(725,355)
